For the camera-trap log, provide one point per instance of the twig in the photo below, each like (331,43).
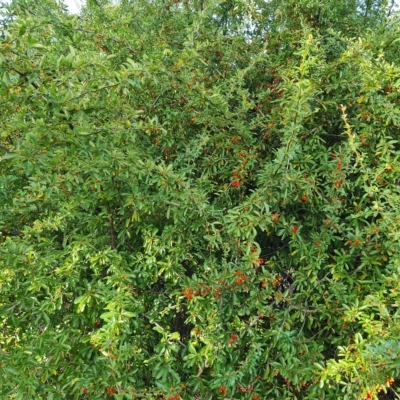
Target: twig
(395,393)
(13,306)
(308,311)
(95,90)
(35,85)
(172,203)
(323,277)
(200,371)
(301,329)
(112,230)
(156,100)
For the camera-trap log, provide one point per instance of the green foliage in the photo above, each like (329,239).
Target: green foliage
(200,198)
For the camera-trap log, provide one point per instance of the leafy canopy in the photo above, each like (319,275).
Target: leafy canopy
(200,198)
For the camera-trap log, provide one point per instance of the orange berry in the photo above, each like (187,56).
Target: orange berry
(235,183)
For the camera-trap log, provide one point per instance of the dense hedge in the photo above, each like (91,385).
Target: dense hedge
(200,198)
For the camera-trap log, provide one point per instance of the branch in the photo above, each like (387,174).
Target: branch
(200,371)
(172,203)
(309,311)
(394,392)
(156,101)
(96,90)
(35,85)
(112,230)
(5,233)
(13,306)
